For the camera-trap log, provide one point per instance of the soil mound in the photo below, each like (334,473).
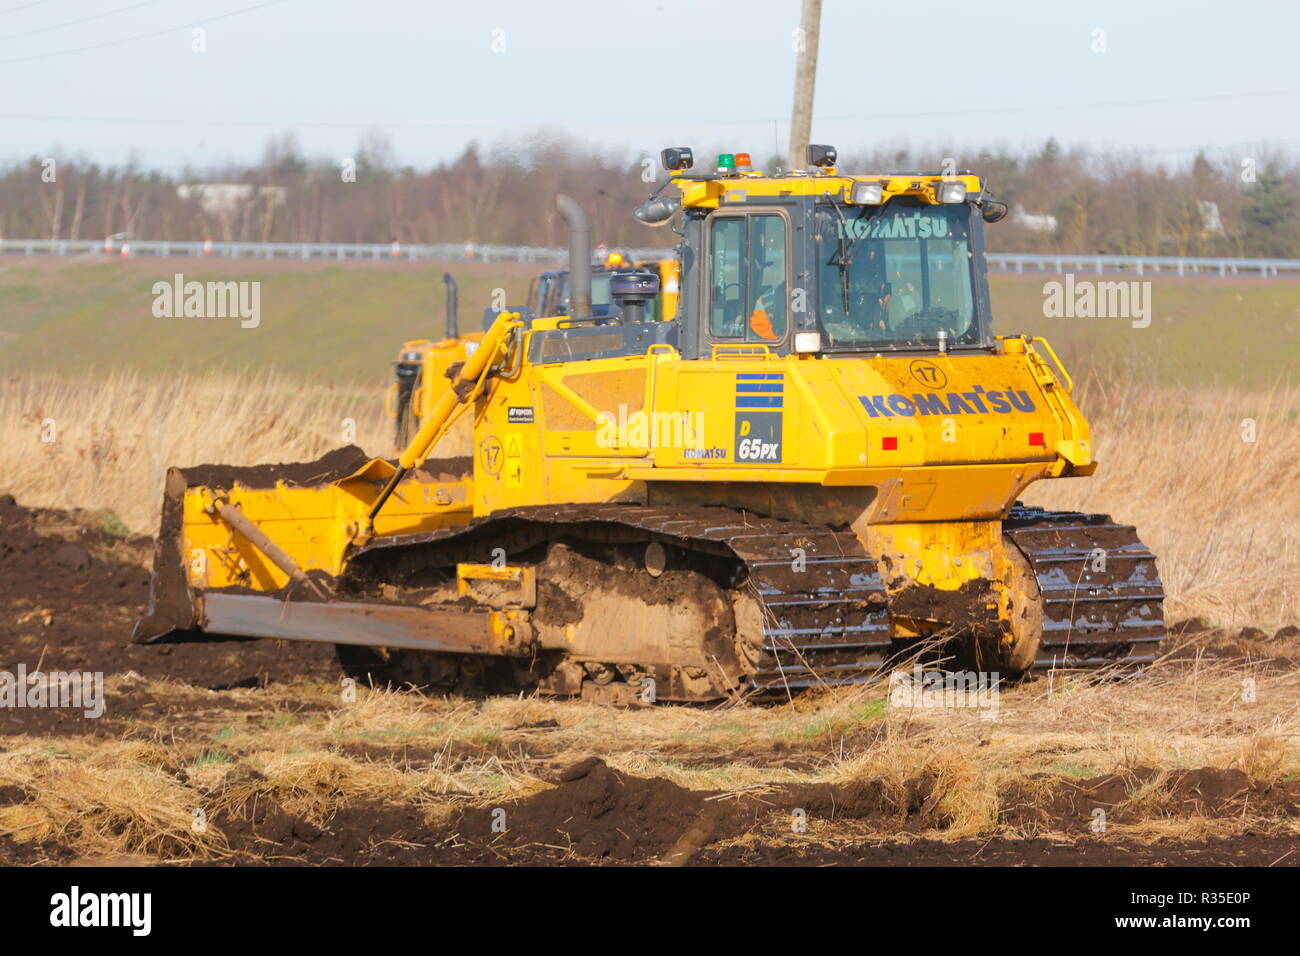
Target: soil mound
(1048,802)
(68,604)
(597,813)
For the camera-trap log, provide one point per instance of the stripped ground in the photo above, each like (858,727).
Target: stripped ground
(253,752)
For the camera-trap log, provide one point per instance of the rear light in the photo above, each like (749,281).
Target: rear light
(1036,438)
(889,443)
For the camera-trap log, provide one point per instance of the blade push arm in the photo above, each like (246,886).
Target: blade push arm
(464,384)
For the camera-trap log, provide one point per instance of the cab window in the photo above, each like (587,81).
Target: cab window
(748,278)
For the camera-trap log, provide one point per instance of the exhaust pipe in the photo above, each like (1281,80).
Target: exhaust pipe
(453,323)
(579,256)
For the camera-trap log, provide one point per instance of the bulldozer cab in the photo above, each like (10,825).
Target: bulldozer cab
(549,292)
(818,263)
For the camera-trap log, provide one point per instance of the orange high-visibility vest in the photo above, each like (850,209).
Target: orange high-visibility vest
(759,322)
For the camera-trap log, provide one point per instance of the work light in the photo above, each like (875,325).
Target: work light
(807,342)
(821,155)
(947,191)
(867,194)
(677,157)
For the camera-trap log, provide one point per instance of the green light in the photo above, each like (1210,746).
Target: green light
(726,161)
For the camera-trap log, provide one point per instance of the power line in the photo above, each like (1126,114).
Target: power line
(142,36)
(276,124)
(73,23)
(760,121)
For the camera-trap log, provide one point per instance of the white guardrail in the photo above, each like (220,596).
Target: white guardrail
(474,252)
(339,251)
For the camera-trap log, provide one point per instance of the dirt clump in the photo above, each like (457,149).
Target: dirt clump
(1045,802)
(70,606)
(368,832)
(913,806)
(1193,639)
(331,466)
(597,813)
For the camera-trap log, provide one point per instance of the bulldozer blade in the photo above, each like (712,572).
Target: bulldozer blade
(173,611)
(458,630)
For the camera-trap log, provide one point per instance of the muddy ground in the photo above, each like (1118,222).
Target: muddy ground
(70,593)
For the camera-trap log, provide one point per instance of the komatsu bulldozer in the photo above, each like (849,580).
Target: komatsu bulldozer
(418,361)
(812,469)
(548,293)
(422,361)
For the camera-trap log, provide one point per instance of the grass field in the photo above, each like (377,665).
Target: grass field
(1203,333)
(340,324)
(323,323)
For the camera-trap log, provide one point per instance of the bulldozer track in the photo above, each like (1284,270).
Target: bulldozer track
(825,619)
(1102,596)
(825,606)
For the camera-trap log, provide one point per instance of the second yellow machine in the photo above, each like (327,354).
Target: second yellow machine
(814,466)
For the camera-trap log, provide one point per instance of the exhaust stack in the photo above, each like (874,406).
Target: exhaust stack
(579,256)
(453,323)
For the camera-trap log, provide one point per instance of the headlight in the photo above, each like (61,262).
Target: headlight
(946,191)
(867,194)
(807,342)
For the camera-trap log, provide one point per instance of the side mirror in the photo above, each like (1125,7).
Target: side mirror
(993,211)
(657,210)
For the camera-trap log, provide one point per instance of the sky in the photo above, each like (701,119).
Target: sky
(111,80)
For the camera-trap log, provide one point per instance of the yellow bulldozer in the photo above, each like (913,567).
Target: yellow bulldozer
(421,367)
(548,294)
(813,468)
(418,361)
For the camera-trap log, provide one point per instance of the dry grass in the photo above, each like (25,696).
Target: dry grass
(441,754)
(1222,513)
(116,437)
(109,800)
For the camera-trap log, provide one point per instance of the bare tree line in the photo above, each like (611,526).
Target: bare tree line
(1063,201)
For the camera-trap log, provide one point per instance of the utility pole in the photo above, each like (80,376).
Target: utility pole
(805,77)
